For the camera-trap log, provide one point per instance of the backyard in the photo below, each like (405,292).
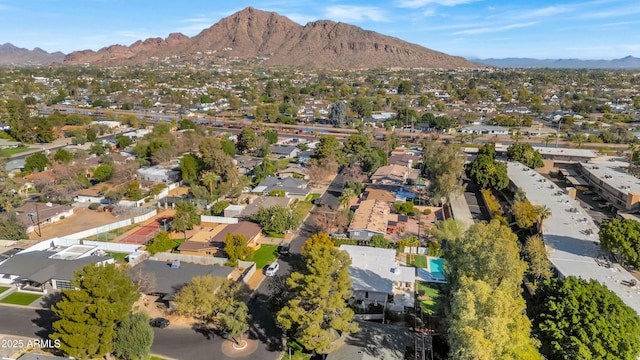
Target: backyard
(429,297)
(419,261)
(118,256)
(20,298)
(265,255)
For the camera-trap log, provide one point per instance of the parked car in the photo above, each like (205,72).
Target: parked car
(272,269)
(588,192)
(605,205)
(283,250)
(596,198)
(159,322)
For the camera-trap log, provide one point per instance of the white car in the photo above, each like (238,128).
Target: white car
(272,269)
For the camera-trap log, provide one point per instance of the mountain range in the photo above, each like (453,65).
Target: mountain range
(275,40)
(12,55)
(278,41)
(628,63)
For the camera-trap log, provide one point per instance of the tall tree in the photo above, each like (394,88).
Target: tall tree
(524,213)
(317,239)
(189,167)
(580,319)
(199,298)
(36,162)
(539,266)
(338,114)
(247,140)
(622,237)
(318,309)
(63,156)
(486,171)
(235,321)
(134,337)
(185,218)
(88,315)
(443,166)
(235,245)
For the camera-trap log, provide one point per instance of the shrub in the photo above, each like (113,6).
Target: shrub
(94,206)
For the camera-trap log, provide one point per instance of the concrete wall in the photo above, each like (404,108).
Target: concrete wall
(249,269)
(218,219)
(204,260)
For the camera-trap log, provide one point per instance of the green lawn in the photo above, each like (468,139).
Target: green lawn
(429,298)
(275,235)
(3,289)
(13,151)
(20,299)
(265,255)
(419,261)
(312,197)
(157,358)
(302,208)
(120,257)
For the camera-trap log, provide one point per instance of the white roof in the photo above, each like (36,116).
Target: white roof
(375,269)
(570,235)
(613,172)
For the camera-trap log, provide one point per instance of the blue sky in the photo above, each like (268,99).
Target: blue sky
(597,29)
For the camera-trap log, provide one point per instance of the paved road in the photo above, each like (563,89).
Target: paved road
(472,194)
(331,196)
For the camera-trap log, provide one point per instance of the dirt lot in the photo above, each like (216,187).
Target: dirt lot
(82,219)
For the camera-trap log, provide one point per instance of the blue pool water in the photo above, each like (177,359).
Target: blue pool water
(436,268)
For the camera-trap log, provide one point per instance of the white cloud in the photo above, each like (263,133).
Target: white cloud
(544,12)
(611,13)
(349,13)
(492,29)
(415,4)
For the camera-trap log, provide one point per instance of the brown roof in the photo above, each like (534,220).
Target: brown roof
(371,215)
(43,211)
(265,202)
(390,174)
(403,159)
(379,194)
(248,229)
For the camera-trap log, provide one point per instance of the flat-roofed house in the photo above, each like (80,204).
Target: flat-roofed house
(369,219)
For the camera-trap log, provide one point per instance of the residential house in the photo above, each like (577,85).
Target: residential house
(305,156)
(485,130)
(406,160)
(251,231)
(33,214)
(294,171)
(284,151)
(165,279)
(369,219)
(397,223)
(245,164)
(159,174)
(379,280)
(265,202)
(43,270)
(375,341)
(391,175)
(292,187)
(375,193)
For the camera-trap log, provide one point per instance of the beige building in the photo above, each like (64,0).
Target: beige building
(369,219)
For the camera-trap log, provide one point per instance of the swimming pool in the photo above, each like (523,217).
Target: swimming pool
(436,268)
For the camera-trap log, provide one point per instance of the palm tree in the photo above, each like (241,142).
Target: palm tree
(346,196)
(410,242)
(543,213)
(548,139)
(209,178)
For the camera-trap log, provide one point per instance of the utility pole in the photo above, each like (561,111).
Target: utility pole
(558,132)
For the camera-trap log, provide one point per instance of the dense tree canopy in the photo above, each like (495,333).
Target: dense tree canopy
(185,218)
(486,171)
(526,154)
(36,163)
(134,337)
(276,219)
(318,309)
(103,172)
(579,319)
(235,245)
(623,237)
(89,314)
(443,166)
